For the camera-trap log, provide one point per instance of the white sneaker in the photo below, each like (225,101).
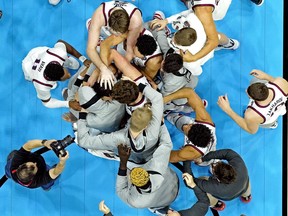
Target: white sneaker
(65,93)
(160,15)
(54,85)
(274,126)
(156,212)
(54,2)
(233,45)
(71,63)
(88,22)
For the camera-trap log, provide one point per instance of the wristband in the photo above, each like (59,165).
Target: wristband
(43,141)
(82,115)
(82,58)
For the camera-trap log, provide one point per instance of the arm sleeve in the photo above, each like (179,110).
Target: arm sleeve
(157,111)
(201,207)
(100,142)
(160,159)
(122,188)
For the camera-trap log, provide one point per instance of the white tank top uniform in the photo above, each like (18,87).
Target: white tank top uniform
(220,7)
(180,120)
(35,63)
(107,9)
(189,19)
(274,109)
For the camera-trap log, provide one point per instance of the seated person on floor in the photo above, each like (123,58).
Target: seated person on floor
(200,133)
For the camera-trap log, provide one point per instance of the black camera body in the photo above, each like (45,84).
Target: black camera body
(59,146)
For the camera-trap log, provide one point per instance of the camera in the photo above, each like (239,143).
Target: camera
(59,146)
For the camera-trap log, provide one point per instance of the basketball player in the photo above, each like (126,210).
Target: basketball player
(267,103)
(45,66)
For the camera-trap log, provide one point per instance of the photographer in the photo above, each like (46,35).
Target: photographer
(29,169)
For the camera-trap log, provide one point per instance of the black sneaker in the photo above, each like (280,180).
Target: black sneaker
(258,2)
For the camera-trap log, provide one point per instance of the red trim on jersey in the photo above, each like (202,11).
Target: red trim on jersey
(53,54)
(261,106)
(139,102)
(159,54)
(194,147)
(264,119)
(142,32)
(134,12)
(103,10)
(39,82)
(138,78)
(278,88)
(202,122)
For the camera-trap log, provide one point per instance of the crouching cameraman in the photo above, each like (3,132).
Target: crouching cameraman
(30,170)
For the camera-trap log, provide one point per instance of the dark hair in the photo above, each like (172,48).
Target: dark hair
(185,36)
(25,173)
(119,21)
(146,45)
(53,71)
(225,173)
(258,91)
(125,91)
(200,135)
(172,63)
(101,91)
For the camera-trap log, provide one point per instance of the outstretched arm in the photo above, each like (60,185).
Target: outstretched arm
(107,44)
(72,51)
(184,154)
(249,123)
(193,100)
(124,65)
(32,144)
(134,30)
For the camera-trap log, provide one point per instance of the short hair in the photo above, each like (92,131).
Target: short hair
(258,91)
(200,135)
(25,173)
(125,91)
(53,71)
(119,21)
(140,118)
(172,63)
(185,36)
(146,45)
(224,172)
(139,177)
(101,91)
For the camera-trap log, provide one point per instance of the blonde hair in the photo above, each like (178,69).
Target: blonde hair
(140,118)
(139,177)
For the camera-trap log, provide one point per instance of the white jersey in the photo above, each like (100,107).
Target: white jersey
(130,108)
(274,109)
(107,9)
(180,120)
(189,19)
(220,6)
(35,63)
